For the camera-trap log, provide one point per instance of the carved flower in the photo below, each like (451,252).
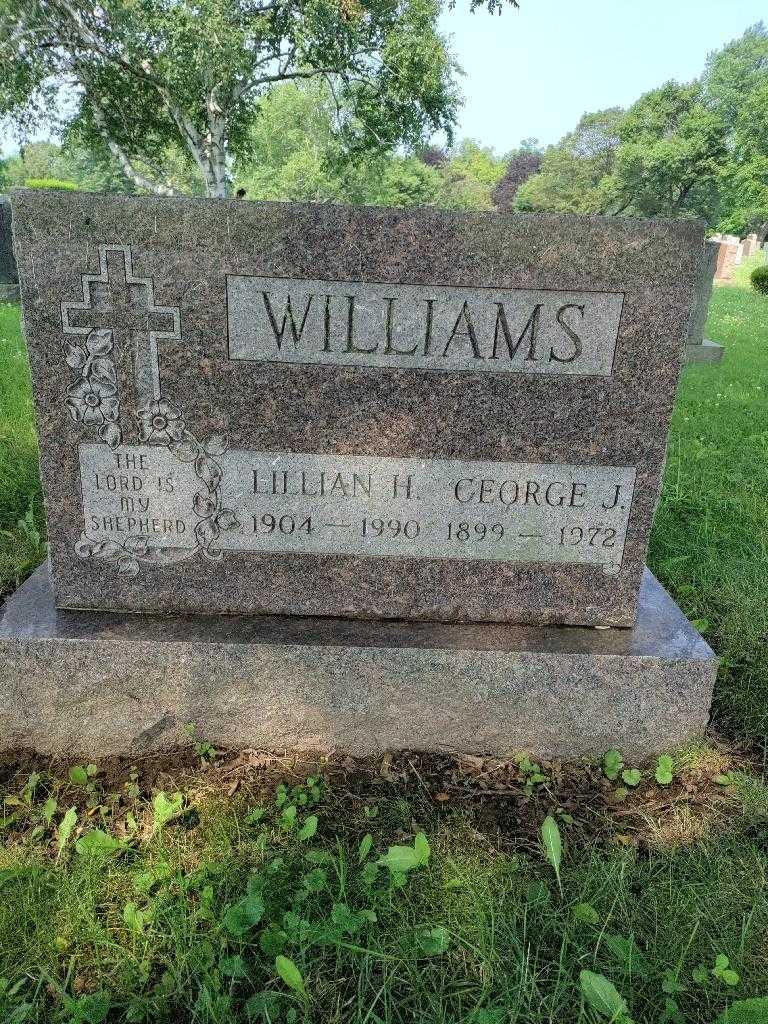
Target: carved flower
(92,401)
(160,423)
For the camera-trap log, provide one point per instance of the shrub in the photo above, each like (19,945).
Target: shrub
(68,186)
(759,279)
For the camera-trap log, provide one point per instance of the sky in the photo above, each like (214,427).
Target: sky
(534,71)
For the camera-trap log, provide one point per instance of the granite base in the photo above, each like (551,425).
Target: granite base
(707,352)
(101,683)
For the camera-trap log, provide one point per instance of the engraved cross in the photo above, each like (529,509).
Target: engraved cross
(117,300)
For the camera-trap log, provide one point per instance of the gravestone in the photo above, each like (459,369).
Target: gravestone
(726,258)
(751,245)
(9,281)
(320,415)
(699,349)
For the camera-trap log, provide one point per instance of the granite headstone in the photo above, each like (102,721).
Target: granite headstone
(9,281)
(276,408)
(699,349)
(371,414)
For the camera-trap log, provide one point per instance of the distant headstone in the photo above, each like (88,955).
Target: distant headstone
(359,413)
(9,281)
(726,260)
(751,245)
(699,349)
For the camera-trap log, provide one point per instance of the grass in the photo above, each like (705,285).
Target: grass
(186,922)
(658,881)
(21,514)
(710,539)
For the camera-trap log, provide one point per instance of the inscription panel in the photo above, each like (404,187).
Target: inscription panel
(422,327)
(145,500)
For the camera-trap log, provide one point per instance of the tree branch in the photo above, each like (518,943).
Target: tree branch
(158,188)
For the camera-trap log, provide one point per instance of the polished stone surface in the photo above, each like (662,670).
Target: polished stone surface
(100,683)
(9,279)
(127,319)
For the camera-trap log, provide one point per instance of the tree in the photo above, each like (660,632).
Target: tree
(523,163)
(732,74)
(93,172)
(673,147)
(154,74)
(571,171)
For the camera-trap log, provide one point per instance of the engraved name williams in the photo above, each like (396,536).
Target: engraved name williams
(393,326)
(422,326)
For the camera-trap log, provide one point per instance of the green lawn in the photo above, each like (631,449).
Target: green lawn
(128,917)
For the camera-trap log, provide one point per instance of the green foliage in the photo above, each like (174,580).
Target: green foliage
(64,186)
(295,153)
(745,1011)
(153,78)
(723,971)
(165,809)
(691,150)
(553,846)
(665,770)
(601,995)
(632,777)
(759,279)
(613,762)
(572,172)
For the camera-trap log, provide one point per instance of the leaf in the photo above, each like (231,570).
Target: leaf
(227,520)
(671,983)
(102,371)
(433,941)
(665,770)
(233,967)
(240,917)
(49,809)
(78,775)
(184,451)
(601,995)
(553,846)
(746,1011)
(364,848)
(702,625)
(399,859)
(309,828)
(627,953)
(128,566)
(165,809)
(290,974)
(65,829)
(203,504)
(585,913)
(99,844)
(422,848)
(206,532)
(725,780)
(612,764)
(136,545)
(265,1005)
(111,434)
(632,777)
(216,444)
(208,471)
(287,819)
(105,549)
(75,357)
(99,342)
(134,918)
